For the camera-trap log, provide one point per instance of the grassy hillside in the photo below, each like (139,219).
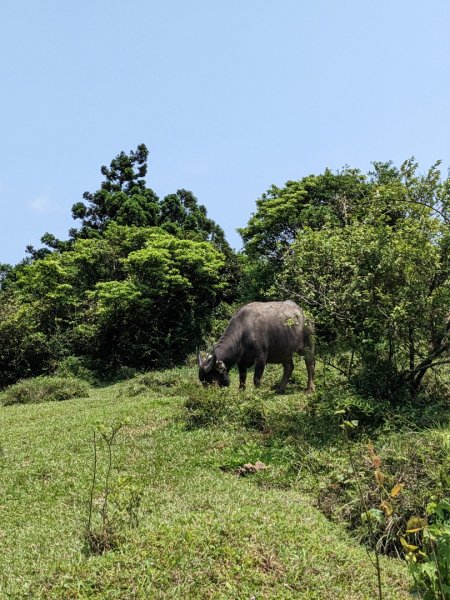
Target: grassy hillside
(185,524)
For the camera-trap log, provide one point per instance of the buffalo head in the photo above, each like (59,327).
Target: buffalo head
(212,370)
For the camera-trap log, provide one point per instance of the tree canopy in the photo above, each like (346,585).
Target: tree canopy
(367,255)
(135,285)
(138,282)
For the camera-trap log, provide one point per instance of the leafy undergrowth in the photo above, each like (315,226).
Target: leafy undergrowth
(415,465)
(196,529)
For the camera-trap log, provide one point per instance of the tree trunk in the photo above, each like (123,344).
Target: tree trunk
(414,376)
(411,348)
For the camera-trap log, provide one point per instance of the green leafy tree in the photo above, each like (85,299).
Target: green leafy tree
(313,202)
(134,285)
(379,287)
(122,198)
(23,348)
(139,297)
(5,271)
(157,314)
(181,215)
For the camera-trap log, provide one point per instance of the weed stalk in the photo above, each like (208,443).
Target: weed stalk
(345,425)
(102,540)
(91,497)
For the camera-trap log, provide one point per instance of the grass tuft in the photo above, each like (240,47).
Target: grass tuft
(44,389)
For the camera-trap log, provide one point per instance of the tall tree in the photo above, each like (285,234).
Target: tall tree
(181,215)
(123,197)
(136,284)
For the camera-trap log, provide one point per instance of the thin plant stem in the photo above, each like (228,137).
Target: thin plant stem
(94,477)
(364,505)
(109,441)
(436,562)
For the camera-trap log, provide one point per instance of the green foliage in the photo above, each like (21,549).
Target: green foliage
(123,197)
(429,562)
(208,406)
(44,389)
(408,471)
(378,287)
(181,215)
(155,315)
(334,394)
(5,271)
(220,316)
(314,202)
(23,348)
(211,406)
(132,299)
(134,287)
(74,366)
(168,382)
(253,414)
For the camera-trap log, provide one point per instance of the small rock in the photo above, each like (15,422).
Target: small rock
(249,469)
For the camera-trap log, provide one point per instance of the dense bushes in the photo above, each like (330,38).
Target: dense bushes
(114,307)
(417,462)
(24,348)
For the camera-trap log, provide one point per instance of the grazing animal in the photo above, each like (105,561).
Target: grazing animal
(257,334)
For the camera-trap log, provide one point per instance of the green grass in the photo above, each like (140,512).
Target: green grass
(201,531)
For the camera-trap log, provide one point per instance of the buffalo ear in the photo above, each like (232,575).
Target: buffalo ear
(220,366)
(199,358)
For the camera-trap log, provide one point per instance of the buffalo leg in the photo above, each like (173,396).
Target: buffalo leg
(242,377)
(288,367)
(310,367)
(259,370)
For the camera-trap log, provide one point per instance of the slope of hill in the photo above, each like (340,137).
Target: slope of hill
(181,526)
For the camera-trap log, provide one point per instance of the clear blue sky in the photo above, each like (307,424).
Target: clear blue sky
(229,97)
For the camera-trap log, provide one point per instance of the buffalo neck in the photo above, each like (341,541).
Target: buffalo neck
(228,348)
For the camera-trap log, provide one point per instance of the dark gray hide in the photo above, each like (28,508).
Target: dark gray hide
(261,333)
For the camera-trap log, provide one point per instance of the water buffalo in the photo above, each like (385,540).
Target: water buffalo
(257,334)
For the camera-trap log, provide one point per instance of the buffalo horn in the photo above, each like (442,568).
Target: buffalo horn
(211,362)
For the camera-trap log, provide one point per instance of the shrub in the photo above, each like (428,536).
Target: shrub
(335,395)
(73,366)
(124,373)
(44,389)
(168,382)
(429,564)
(417,461)
(209,406)
(252,414)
